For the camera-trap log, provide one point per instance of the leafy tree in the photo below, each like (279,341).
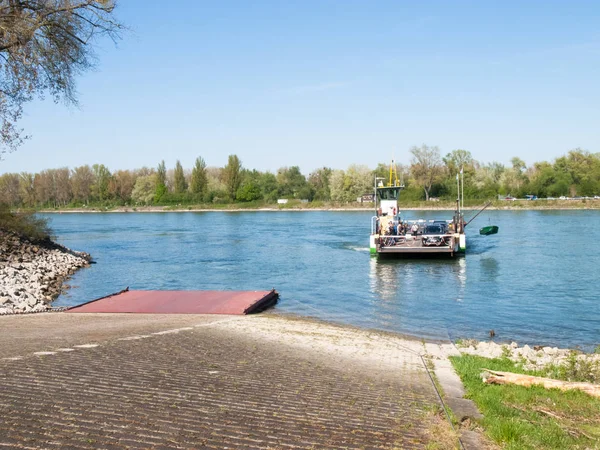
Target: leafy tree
(457,160)
(101,181)
(180,183)
(216,188)
(232,175)
(496,171)
(584,169)
(319,181)
(383,171)
(543,176)
(486,179)
(514,179)
(577,172)
(44,45)
(358,181)
(347,186)
(144,190)
(562,184)
(337,187)
(160,181)
(27,189)
(82,179)
(291,182)
(122,184)
(199,180)
(268,187)
(426,166)
(43,183)
(10,192)
(249,189)
(144,171)
(546,181)
(518,164)
(62,186)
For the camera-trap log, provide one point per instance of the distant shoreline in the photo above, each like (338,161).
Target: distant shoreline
(167,209)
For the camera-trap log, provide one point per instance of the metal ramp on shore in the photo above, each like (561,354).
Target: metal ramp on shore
(181,302)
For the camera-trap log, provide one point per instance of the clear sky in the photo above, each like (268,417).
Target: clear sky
(329,83)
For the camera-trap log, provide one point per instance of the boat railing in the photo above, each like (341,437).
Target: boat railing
(388,240)
(418,236)
(374,221)
(425,222)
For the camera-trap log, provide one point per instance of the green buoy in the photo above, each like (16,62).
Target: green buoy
(490,229)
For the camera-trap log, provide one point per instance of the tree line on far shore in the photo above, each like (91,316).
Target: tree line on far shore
(429,176)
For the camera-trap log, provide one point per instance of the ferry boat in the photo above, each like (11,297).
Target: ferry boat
(394,235)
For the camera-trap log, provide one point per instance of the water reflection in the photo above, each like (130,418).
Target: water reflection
(399,288)
(461,276)
(490,268)
(385,289)
(392,278)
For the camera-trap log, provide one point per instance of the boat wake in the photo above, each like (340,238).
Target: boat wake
(479,245)
(357,249)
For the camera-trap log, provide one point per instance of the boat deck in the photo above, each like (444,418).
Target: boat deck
(416,250)
(401,245)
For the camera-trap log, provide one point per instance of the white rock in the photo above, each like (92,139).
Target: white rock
(39,307)
(27,267)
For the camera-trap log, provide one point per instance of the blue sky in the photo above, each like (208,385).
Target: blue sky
(328,83)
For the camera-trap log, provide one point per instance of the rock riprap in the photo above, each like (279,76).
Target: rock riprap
(32,274)
(531,358)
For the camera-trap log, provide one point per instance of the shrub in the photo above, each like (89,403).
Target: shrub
(26,224)
(576,369)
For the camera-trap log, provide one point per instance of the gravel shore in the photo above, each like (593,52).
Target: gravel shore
(32,274)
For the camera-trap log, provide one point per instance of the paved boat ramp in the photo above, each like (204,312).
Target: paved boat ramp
(107,380)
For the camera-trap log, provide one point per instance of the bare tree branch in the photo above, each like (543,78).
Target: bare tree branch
(44,45)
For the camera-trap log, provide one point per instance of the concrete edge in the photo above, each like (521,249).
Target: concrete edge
(464,410)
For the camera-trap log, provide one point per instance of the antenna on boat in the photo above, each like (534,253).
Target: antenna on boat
(462,175)
(457,194)
(394,174)
(401,177)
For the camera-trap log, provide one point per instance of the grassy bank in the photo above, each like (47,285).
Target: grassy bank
(319,205)
(516,417)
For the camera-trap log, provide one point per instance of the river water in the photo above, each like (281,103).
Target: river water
(536,282)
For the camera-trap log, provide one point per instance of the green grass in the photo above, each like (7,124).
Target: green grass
(529,418)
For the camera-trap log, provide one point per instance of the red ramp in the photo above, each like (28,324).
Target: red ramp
(181,302)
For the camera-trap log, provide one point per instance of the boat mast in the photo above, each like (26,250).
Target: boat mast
(375,196)
(462,175)
(457,195)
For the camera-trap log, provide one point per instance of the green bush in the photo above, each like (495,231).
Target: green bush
(25,224)
(576,369)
